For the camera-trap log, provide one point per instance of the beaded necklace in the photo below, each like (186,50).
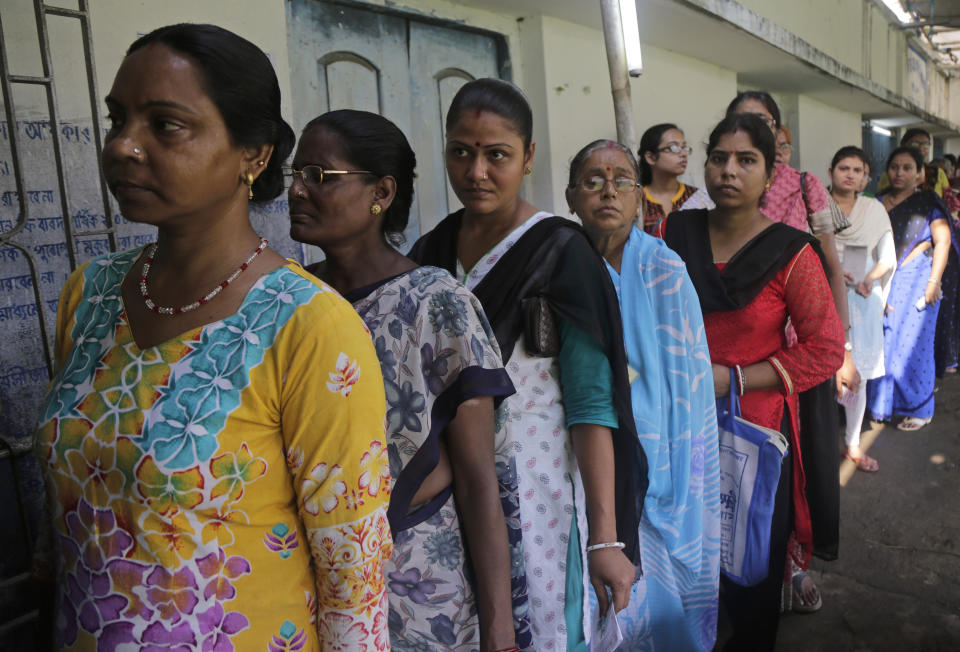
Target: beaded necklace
(166,310)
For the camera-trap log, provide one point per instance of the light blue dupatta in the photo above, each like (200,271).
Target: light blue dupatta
(674,605)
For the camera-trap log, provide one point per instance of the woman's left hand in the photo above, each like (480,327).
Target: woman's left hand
(721,380)
(933,293)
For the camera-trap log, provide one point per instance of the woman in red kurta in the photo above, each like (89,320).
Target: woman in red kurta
(752,275)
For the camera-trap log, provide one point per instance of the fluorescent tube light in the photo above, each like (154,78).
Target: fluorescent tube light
(631,36)
(880,130)
(897,9)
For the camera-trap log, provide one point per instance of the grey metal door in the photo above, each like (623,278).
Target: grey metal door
(408,70)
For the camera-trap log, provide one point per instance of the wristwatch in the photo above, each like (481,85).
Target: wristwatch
(847,346)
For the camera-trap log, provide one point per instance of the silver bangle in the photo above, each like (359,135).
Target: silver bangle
(611,544)
(741,380)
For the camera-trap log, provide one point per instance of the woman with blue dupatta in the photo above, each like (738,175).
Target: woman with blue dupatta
(674,605)
(921,235)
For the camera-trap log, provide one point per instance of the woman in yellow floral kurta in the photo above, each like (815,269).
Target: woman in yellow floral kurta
(224,488)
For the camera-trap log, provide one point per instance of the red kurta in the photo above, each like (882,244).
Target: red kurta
(742,337)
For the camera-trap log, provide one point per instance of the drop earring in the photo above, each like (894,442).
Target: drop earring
(248,179)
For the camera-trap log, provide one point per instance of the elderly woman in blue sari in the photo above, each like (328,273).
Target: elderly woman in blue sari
(674,605)
(921,236)
(454,470)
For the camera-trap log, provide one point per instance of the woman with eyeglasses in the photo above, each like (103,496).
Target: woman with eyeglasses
(921,234)
(753,275)
(580,466)
(214,432)
(456,579)
(784,145)
(663,157)
(674,605)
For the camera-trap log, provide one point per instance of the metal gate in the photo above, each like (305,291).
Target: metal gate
(54,213)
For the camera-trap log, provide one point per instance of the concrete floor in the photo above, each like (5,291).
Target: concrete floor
(896,585)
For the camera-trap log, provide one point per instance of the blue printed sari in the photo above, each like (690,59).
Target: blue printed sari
(674,605)
(908,333)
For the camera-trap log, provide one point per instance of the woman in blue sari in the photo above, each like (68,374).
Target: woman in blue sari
(674,605)
(921,235)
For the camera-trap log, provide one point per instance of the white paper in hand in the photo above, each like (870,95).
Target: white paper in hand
(606,636)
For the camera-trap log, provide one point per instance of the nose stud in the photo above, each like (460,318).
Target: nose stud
(301,194)
(137,151)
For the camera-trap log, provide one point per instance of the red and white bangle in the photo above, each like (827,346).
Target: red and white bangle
(610,544)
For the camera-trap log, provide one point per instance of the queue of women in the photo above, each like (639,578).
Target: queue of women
(486,443)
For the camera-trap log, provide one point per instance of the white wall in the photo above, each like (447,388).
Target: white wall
(832,26)
(576,87)
(821,131)
(117,23)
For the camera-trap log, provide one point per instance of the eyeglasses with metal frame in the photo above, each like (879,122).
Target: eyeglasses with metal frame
(598,183)
(313,175)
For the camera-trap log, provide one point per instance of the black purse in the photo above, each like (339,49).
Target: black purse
(540,333)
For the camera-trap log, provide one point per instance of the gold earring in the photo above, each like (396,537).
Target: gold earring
(248,179)
(528,171)
(375,209)
(260,164)
(767,187)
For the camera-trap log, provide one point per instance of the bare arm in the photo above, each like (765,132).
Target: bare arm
(866,285)
(941,250)
(470,445)
(847,374)
(757,377)
(609,567)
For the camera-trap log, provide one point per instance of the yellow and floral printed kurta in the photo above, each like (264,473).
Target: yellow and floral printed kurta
(226,489)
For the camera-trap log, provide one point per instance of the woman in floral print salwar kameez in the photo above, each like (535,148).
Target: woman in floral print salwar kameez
(217,471)
(581,470)
(456,580)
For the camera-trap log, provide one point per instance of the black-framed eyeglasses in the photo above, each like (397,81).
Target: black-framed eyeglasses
(312,175)
(919,144)
(620,184)
(673,148)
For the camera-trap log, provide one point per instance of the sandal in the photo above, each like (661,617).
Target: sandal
(864,462)
(911,424)
(800,605)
